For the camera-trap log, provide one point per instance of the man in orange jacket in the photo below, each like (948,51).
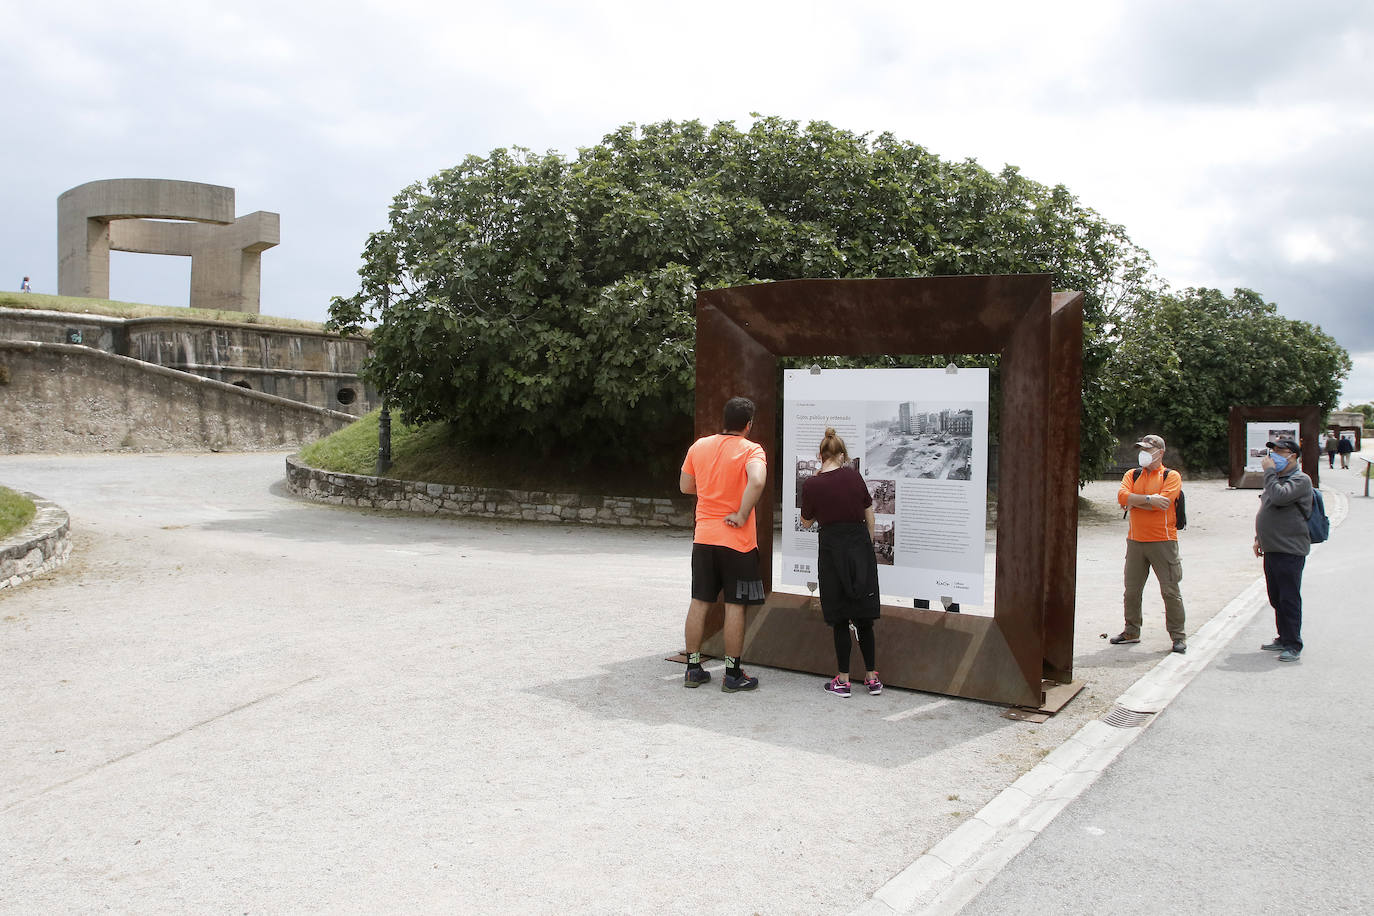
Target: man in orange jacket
(1148,493)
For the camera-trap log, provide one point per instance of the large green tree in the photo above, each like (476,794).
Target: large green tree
(523,295)
(1185,359)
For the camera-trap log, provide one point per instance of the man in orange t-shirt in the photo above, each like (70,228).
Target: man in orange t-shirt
(1148,493)
(726,472)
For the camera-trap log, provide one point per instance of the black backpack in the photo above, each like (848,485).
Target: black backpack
(1180,504)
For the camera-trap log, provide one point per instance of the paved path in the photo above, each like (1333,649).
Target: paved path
(1250,794)
(231,699)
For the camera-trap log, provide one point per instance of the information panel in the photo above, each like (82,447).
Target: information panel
(919,437)
(1256,434)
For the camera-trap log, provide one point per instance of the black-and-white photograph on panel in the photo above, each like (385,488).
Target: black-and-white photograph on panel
(915,439)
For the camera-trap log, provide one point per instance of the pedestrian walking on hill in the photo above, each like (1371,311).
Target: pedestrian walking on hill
(838,499)
(1148,494)
(726,472)
(24,286)
(1283,540)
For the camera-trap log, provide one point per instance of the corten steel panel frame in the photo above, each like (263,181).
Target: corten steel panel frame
(741,333)
(1333,429)
(1309,419)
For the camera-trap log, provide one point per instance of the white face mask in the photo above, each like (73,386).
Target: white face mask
(1145,458)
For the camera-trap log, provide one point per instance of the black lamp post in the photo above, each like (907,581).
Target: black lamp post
(384,421)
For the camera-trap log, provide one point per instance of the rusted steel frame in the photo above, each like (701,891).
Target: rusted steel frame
(1309,419)
(742,331)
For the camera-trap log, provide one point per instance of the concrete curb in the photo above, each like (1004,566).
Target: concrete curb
(952,872)
(43,544)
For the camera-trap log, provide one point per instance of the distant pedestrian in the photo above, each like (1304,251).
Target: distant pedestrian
(1332,447)
(24,286)
(1148,494)
(847,568)
(1283,540)
(1345,447)
(727,473)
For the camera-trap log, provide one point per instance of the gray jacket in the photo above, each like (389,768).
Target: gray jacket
(1281,523)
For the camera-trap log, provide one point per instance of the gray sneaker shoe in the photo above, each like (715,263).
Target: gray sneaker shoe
(1274,646)
(1290,655)
(1180,646)
(730,684)
(1122,639)
(695,677)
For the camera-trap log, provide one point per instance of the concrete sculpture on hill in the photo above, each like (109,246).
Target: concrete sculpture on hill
(126,214)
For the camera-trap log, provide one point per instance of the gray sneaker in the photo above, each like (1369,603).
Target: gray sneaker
(1274,646)
(1180,646)
(1122,639)
(729,684)
(695,677)
(1290,655)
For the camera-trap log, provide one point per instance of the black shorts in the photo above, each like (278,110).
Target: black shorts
(716,569)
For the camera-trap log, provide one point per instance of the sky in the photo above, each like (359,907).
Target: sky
(1232,140)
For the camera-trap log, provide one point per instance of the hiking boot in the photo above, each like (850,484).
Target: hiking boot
(1122,639)
(695,677)
(731,684)
(1180,646)
(1290,655)
(838,687)
(1274,646)
(874,685)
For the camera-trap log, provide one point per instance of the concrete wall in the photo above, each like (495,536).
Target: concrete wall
(312,367)
(67,398)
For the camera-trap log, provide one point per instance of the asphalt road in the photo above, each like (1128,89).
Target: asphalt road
(232,700)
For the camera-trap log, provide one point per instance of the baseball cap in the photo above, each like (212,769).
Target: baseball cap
(1150,442)
(1287,445)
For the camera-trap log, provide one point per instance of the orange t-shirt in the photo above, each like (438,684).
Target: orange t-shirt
(718,463)
(1151,524)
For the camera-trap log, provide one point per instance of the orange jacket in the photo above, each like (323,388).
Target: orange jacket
(1151,524)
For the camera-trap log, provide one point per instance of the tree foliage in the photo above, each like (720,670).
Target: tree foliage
(1184,360)
(525,296)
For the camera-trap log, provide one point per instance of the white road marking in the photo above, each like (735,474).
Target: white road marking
(916,710)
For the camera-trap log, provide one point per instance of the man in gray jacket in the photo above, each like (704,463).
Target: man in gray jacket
(1282,539)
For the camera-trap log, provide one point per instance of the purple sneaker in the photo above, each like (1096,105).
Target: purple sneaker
(874,685)
(838,687)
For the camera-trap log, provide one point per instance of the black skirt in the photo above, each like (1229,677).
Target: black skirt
(848,573)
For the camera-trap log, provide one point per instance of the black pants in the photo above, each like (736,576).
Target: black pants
(866,644)
(1283,576)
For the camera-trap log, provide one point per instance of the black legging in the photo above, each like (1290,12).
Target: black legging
(842,644)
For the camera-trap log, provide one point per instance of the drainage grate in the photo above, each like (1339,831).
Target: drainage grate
(1121,717)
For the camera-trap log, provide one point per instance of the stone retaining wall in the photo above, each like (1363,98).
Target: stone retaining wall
(485,502)
(69,398)
(43,544)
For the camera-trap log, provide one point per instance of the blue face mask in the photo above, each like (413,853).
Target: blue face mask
(1280,462)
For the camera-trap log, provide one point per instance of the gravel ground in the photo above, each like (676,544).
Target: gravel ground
(230,699)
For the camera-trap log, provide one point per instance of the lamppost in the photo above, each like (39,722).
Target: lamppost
(384,421)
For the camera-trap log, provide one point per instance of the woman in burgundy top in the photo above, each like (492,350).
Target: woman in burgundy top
(839,500)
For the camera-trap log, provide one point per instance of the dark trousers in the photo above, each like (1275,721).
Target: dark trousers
(1283,576)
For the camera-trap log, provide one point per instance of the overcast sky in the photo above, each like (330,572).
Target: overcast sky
(1233,140)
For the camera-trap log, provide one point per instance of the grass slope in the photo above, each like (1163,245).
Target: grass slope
(15,511)
(115,309)
(435,453)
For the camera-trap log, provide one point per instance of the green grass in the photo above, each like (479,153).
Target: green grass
(115,309)
(15,512)
(435,453)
